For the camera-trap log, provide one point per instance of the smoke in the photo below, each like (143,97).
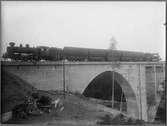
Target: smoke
(113,43)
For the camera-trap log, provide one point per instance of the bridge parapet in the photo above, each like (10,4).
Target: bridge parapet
(14,63)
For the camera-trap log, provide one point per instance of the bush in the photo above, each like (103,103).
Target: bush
(76,93)
(151,99)
(120,119)
(35,95)
(139,121)
(106,120)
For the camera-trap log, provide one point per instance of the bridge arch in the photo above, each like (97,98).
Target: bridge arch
(101,88)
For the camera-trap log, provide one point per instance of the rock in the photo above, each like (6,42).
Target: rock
(106,120)
(56,102)
(6,116)
(119,119)
(58,105)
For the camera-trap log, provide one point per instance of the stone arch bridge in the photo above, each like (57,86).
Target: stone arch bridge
(139,81)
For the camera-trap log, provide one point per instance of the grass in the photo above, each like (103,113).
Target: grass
(119,120)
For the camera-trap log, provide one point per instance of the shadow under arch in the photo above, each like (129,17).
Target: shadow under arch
(101,87)
(161,111)
(160,115)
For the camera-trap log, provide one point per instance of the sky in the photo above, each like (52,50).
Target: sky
(136,26)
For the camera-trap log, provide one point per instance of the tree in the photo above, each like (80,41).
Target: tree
(113,43)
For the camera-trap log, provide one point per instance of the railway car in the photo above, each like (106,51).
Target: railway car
(75,54)
(97,54)
(55,54)
(114,55)
(84,54)
(152,57)
(132,56)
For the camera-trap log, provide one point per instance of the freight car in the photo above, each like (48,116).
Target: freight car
(75,54)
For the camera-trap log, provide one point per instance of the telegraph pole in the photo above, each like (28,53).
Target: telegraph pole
(121,101)
(113,89)
(64,82)
(155,82)
(140,92)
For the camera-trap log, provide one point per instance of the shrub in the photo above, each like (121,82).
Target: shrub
(106,120)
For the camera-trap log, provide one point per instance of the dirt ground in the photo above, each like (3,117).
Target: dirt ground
(76,110)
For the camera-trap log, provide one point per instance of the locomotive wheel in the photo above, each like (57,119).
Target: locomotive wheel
(68,58)
(71,58)
(79,59)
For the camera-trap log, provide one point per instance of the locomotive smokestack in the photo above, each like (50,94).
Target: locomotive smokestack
(27,46)
(12,44)
(21,45)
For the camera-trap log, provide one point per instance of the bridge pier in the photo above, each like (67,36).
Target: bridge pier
(142,94)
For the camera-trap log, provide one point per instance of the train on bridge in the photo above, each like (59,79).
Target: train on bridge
(39,53)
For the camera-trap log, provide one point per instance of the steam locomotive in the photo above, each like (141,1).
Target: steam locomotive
(39,53)
(27,53)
